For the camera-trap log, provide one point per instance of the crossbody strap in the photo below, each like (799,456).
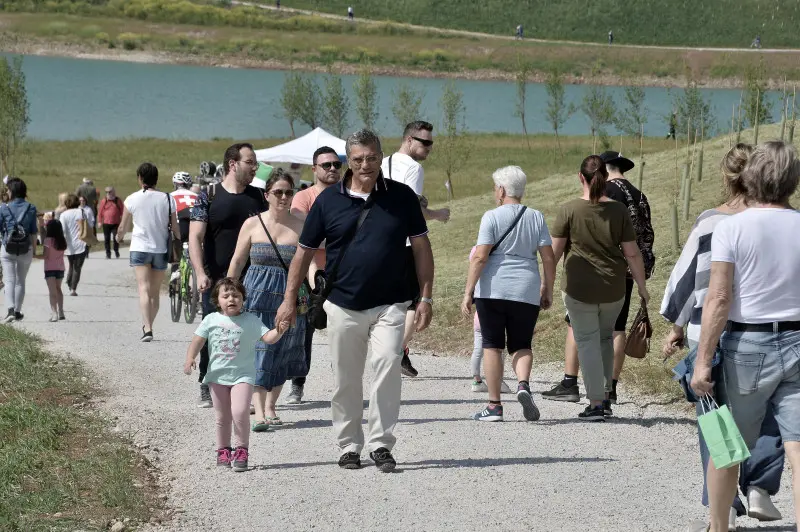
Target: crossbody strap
(390,167)
(335,270)
(169,216)
(278,253)
(510,227)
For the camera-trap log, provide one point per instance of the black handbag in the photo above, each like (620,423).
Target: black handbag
(303,295)
(324,282)
(174,245)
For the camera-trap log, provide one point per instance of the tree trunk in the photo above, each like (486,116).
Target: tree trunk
(525,132)
(558,143)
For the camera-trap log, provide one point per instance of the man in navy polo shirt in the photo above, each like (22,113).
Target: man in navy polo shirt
(368,302)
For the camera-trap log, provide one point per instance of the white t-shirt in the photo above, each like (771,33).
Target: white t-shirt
(150,220)
(405,170)
(69,221)
(762,244)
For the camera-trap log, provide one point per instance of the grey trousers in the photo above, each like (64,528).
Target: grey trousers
(593,328)
(15,270)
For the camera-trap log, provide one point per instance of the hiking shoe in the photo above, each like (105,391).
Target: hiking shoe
(405,365)
(479,386)
(224,457)
(490,413)
(350,461)
(239,459)
(296,395)
(560,392)
(205,397)
(524,397)
(607,408)
(612,396)
(18,316)
(592,413)
(10,316)
(383,459)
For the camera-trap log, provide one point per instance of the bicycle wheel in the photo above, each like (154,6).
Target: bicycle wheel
(192,297)
(174,301)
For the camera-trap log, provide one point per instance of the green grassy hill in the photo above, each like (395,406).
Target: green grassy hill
(665,22)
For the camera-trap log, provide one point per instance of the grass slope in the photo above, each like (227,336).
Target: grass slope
(60,468)
(453,241)
(667,22)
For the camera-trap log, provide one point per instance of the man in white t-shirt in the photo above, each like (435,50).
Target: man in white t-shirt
(403,166)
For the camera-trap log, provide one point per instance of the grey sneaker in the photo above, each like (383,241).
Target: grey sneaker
(563,393)
(205,397)
(295,397)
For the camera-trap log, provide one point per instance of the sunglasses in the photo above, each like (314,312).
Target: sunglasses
(425,142)
(327,166)
(282,193)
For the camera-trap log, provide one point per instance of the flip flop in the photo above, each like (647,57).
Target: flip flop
(260,426)
(274,420)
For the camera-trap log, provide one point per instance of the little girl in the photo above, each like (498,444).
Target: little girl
(53,253)
(478,385)
(232,337)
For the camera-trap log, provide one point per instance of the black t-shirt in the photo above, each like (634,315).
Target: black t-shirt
(615,193)
(374,267)
(224,215)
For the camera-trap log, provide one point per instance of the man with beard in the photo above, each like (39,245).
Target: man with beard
(326,168)
(214,229)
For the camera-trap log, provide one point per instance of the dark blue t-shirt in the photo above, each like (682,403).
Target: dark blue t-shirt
(373,269)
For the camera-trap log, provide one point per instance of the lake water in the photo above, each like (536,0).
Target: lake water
(78,99)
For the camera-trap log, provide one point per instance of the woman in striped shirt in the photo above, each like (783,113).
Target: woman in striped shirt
(760,476)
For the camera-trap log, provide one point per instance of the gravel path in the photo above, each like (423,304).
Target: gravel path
(640,472)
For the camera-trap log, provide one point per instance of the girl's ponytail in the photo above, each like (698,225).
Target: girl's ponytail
(594,172)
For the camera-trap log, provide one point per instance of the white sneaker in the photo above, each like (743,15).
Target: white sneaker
(479,387)
(54,317)
(759,505)
(732,520)
(504,388)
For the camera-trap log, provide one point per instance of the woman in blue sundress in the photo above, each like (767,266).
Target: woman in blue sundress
(265,284)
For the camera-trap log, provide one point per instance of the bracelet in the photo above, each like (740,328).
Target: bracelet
(427,300)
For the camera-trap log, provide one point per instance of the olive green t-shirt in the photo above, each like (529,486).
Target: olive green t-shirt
(594,265)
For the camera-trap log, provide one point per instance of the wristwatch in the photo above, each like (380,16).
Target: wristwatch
(427,300)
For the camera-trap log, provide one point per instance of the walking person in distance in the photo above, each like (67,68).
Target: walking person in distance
(109,216)
(19,232)
(71,220)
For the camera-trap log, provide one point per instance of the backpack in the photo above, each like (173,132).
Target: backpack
(17,240)
(642,225)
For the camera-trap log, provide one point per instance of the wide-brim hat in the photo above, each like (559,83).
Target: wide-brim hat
(615,158)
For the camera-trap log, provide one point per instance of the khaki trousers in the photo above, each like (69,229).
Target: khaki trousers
(350,334)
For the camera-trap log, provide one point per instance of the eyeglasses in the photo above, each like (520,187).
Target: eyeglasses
(327,166)
(249,163)
(358,162)
(425,142)
(282,193)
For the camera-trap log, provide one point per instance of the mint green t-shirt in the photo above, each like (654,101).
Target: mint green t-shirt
(231,347)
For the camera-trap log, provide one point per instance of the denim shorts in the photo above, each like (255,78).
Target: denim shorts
(156,261)
(55,274)
(762,368)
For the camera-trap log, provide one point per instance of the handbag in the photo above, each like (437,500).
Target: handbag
(638,343)
(723,439)
(85,233)
(174,247)
(303,295)
(324,282)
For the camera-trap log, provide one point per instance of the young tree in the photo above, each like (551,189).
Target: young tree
(691,109)
(756,106)
(523,71)
(336,105)
(292,98)
(598,106)
(453,143)
(14,111)
(557,111)
(407,105)
(634,113)
(310,112)
(366,98)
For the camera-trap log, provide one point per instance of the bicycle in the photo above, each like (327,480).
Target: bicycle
(184,290)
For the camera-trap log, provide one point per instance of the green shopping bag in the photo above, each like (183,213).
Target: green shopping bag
(723,439)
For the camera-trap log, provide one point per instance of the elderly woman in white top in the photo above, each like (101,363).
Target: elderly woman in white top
(753,302)
(508,291)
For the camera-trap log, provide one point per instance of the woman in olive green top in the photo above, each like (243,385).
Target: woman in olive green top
(597,235)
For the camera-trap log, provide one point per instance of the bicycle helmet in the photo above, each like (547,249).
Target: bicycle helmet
(220,174)
(182,178)
(207,168)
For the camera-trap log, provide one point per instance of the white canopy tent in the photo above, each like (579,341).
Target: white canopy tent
(301,150)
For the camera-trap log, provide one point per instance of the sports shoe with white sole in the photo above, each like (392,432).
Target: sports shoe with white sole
(732,515)
(205,397)
(525,398)
(295,397)
(760,506)
(479,387)
(490,413)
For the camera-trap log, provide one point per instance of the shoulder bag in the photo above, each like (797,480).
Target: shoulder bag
(324,281)
(85,233)
(638,343)
(514,223)
(174,247)
(305,289)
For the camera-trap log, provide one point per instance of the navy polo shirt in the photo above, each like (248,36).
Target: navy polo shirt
(373,269)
